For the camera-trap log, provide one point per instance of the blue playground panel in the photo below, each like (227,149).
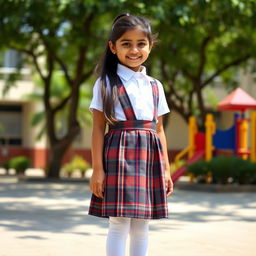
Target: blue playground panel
(225,139)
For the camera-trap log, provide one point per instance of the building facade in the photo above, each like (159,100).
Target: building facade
(19,137)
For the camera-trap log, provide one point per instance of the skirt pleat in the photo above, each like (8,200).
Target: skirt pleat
(134,182)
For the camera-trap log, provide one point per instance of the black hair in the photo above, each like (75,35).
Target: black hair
(107,67)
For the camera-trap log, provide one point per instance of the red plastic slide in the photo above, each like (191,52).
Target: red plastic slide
(198,155)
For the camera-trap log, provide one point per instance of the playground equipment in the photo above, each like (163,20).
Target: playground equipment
(235,138)
(210,130)
(240,101)
(242,144)
(253,136)
(190,150)
(193,150)
(202,145)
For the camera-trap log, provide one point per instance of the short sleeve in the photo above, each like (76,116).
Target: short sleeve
(162,104)
(96,102)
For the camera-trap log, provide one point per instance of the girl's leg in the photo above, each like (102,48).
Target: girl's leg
(139,237)
(117,235)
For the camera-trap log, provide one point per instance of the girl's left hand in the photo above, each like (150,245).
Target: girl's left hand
(168,183)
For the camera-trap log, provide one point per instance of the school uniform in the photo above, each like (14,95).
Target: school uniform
(132,154)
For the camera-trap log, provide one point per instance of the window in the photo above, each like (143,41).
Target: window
(10,59)
(10,125)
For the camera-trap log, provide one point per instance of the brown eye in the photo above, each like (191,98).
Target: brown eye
(141,44)
(126,44)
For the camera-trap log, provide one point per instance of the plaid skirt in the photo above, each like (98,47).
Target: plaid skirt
(134,168)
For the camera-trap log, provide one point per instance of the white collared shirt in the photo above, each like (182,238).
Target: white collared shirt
(139,90)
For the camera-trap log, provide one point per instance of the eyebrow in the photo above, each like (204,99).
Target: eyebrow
(129,40)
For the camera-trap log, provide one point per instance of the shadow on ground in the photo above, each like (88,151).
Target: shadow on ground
(57,207)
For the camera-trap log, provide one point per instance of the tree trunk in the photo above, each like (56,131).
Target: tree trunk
(58,146)
(201,106)
(58,149)
(54,162)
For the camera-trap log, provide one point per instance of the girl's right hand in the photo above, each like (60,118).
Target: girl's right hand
(97,183)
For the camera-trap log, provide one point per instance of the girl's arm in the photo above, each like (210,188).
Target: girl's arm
(161,134)
(98,131)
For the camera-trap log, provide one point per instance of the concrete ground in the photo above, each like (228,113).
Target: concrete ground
(50,219)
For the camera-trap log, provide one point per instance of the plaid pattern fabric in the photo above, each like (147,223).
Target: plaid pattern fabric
(125,103)
(134,167)
(155,98)
(133,124)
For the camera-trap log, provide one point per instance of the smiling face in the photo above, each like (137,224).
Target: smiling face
(132,48)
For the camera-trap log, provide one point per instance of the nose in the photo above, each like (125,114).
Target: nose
(134,49)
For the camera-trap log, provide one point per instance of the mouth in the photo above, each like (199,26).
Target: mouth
(133,58)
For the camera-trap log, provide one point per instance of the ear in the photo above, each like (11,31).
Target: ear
(112,47)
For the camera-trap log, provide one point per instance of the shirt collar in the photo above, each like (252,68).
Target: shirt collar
(127,73)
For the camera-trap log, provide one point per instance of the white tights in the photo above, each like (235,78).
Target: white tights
(119,228)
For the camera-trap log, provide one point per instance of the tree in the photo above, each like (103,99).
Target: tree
(60,35)
(56,35)
(199,41)
(59,90)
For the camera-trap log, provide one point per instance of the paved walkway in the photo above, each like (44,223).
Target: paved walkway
(50,219)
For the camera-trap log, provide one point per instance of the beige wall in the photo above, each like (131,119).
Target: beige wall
(176,134)
(16,95)
(248,82)
(29,132)
(83,141)
(176,126)
(176,130)
(17,92)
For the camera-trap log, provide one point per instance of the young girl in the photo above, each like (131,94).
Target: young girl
(131,178)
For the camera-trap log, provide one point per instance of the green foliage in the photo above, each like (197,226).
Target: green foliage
(245,172)
(225,168)
(202,41)
(210,97)
(5,165)
(199,170)
(59,26)
(62,40)
(19,163)
(77,163)
(59,91)
(222,168)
